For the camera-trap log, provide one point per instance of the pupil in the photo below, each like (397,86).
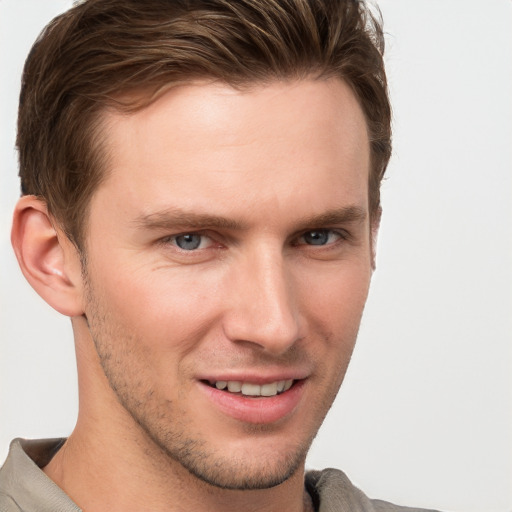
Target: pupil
(188,242)
(316,237)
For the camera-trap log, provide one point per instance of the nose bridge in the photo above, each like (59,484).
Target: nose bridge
(264,310)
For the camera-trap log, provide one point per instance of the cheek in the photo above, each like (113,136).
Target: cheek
(336,298)
(333,314)
(163,309)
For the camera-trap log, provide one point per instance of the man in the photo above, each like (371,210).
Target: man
(201,197)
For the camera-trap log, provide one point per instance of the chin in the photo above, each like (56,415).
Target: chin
(244,474)
(258,466)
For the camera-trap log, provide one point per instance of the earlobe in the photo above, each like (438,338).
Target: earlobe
(48,260)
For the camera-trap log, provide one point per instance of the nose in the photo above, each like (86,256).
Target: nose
(263,305)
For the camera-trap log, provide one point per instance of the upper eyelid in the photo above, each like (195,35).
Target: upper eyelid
(198,232)
(213,241)
(343,233)
(296,241)
(339,231)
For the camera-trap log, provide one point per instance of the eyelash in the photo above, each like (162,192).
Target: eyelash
(340,234)
(172,238)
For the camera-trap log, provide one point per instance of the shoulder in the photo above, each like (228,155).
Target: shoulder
(7,504)
(24,486)
(332,491)
(7,476)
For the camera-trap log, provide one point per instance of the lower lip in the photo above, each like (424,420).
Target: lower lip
(255,410)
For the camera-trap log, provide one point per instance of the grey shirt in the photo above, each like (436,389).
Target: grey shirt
(25,488)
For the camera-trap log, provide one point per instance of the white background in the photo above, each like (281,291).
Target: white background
(425,414)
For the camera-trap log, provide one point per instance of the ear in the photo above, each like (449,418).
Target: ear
(47,258)
(374,231)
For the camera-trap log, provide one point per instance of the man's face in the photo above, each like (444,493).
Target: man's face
(229,255)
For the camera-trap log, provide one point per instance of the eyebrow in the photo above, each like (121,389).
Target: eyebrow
(345,215)
(176,217)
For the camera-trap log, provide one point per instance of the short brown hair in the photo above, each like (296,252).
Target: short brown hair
(86,59)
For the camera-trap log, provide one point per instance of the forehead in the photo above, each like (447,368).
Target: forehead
(211,142)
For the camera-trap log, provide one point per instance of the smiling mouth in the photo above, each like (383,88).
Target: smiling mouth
(250,389)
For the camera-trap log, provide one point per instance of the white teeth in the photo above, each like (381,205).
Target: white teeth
(234,386)
(249,389)
(269,389)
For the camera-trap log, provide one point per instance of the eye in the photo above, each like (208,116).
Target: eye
(319,237)
(190,241)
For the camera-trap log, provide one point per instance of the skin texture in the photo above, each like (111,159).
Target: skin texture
(271,182)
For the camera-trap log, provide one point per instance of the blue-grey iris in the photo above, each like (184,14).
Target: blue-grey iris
(316,237)
(188,242)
